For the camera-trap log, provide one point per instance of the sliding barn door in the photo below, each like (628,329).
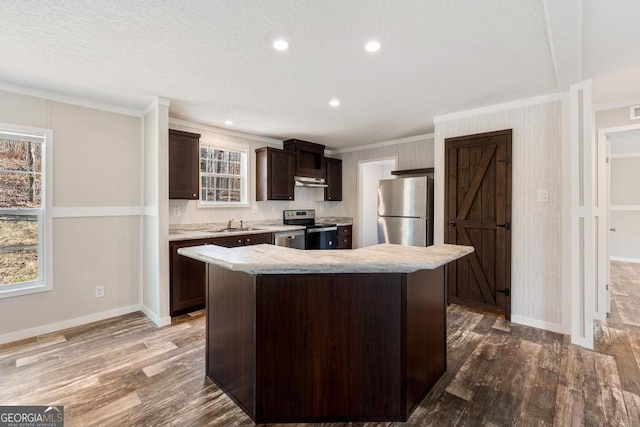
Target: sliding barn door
(478,214)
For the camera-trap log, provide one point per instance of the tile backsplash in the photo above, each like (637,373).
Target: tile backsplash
(187,212)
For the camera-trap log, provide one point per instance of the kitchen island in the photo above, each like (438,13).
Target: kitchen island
(311,336)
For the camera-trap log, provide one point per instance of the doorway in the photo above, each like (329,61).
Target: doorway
(624,201)
(478,213)
(370,172)
(619,232)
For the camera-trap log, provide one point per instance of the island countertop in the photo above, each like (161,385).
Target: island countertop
(382,258)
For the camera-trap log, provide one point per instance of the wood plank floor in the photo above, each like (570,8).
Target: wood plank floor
(125,372)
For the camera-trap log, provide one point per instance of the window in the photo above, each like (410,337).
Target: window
(223,175)
(24,224)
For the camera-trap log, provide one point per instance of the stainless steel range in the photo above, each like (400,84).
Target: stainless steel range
(317,236)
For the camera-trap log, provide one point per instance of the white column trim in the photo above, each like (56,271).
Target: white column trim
(159,321)
(583,251)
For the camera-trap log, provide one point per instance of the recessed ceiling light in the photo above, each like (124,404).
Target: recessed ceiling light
(372,46)
(280,44)
(228,122)
(334,102)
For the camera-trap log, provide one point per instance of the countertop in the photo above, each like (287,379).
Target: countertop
(208,231)
(382,258)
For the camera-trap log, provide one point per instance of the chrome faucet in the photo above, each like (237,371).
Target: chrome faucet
(229,223)
(241,224)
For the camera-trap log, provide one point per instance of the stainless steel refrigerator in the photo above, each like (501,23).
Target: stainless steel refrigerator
(405,211)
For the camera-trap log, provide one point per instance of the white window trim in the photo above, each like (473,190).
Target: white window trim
(45,244)
(247,181)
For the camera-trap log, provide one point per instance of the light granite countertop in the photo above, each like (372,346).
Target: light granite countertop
(382,258)
(208,231)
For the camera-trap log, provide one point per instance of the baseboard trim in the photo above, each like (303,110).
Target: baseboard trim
(159,321)
(622,259)
(540,324)
(65,324)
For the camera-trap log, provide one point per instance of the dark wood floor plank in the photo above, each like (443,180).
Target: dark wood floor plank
(632,403)
(569,408)
(613,404)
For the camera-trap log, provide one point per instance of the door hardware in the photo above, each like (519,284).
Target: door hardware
(506,226)
(506,292)
(506,160)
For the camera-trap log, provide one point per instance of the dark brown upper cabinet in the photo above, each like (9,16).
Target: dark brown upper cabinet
(333,191)
(309,158)
(274,174)
(184,165)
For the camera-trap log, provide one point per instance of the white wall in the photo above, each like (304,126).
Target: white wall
(625,196)
(414,154)
(539,296)
(96,207)
(372,173)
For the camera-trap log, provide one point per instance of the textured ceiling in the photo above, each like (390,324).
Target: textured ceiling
(213,58)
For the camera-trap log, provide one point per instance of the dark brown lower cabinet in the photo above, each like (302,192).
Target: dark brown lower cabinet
(344,237)
(187,279)
(326,347)
(188,276)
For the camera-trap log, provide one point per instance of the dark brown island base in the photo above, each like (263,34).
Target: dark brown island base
(317,336)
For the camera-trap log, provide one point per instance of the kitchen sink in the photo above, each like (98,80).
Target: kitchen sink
(228,230)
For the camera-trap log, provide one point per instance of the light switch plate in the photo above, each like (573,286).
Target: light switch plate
(543,196)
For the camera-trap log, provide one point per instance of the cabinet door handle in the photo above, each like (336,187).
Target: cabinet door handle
(194,195)
(239,240)
(248,240)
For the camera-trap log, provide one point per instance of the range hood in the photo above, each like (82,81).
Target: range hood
(304,181)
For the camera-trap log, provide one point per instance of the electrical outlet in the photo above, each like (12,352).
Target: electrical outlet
(177,211)
(543,196)
(99,291)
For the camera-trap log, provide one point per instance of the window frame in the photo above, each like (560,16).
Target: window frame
(245,176)
(44,213)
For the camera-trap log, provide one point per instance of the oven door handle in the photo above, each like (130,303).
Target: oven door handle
(319,230)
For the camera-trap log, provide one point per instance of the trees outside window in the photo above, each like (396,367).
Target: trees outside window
(223,175)
(23,216)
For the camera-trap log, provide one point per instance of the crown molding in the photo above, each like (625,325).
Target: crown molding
(381,144)
(501,107)
(67,99)
(180,122)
